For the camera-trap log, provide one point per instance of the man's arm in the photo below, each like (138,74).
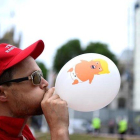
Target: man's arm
(61,134)
(56,114)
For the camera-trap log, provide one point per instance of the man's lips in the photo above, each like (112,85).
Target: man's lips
(46,89)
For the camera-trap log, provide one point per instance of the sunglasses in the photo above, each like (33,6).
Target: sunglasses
(35,77)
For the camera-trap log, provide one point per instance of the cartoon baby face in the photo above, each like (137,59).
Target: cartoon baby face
(96,66)
(85,70)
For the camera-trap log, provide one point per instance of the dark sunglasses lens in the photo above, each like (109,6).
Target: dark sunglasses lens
(36,78)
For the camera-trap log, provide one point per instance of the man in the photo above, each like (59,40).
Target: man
(24,93)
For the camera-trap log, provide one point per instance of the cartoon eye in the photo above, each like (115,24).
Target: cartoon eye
(93,67)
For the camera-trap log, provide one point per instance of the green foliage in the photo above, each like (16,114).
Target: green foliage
(65,53)
(101,48)
(73,48)
(44,69)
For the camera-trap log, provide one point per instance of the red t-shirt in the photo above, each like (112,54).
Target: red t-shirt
(10,128)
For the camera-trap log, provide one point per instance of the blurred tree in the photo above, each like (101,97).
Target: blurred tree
(101,48)
(73,48)
(65,53)
(44,69)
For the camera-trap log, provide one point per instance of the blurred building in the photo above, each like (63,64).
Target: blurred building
(124,99)
(136,92)
(9,38)
(129,64)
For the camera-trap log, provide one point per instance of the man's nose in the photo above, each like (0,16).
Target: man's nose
(43,83)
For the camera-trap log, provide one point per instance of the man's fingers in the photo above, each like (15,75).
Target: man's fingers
(58,103)
(54,97)
(49,93)
(51,99)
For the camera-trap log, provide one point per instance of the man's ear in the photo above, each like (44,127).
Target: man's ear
(3,97)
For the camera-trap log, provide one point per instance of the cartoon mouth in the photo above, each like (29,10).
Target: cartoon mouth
(93,67)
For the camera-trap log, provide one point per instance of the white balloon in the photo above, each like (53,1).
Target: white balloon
(88,82)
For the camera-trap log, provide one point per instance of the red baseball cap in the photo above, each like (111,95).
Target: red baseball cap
(11,55)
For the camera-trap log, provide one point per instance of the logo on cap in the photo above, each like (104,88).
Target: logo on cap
(9,48)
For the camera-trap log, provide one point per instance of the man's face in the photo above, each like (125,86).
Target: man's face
(24,98)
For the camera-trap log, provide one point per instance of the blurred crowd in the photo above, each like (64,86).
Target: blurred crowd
(121,126)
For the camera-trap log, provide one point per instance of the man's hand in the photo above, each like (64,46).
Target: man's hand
(56,113)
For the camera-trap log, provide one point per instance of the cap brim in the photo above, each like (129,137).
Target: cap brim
(33,50)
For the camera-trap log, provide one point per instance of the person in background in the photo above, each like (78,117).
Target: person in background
(96,124)
(111,126)
(24,93)
(122,128)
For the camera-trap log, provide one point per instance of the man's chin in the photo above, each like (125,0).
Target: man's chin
(38,112)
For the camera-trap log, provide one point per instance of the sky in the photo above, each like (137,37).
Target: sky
(58,21)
